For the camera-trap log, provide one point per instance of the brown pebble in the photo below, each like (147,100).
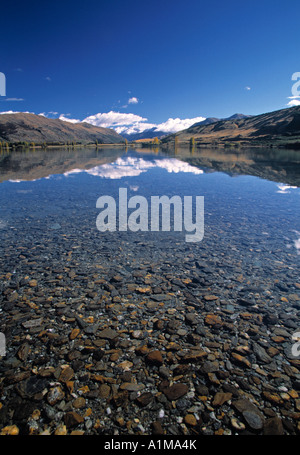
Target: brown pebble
(79,403)
(176,391)
(104,391)
(278,339)
(145,399)
(273,427)
(242,361)
(272,397)
(210,298)
(221,398)
(66,374)
(155,358)
(74,334)
(190,420)
(158,325)
(212,319)
(23,352)
(157,428)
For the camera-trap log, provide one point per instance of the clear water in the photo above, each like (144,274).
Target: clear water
(252,224)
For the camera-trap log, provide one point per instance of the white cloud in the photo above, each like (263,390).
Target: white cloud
(135,128)
(133,100)
(248,88)
(15,112)
(172,125)
(67,119)
(294,102)
(113,119)
(14,99)
(9,112)
(131,123)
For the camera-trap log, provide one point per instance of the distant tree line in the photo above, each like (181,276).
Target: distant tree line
(23,145)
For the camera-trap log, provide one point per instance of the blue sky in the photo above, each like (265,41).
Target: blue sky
(146,62)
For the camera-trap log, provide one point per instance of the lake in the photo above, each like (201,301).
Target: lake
(125,315)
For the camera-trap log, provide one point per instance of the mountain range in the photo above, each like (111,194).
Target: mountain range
(210,120)
(150,133)
(278,128)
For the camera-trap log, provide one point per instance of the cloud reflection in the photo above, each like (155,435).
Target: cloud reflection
(297,242)
(297,245)
(133,167)
(283,189)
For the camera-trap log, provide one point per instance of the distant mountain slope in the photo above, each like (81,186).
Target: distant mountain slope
(146,134)
(153,132)
(210,120)
(23,127)
(207,121)
(279,128)
(237,117)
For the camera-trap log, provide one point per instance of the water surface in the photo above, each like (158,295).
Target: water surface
(252,224)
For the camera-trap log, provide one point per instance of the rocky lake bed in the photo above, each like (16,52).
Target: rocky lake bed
(148,348)
(126,334)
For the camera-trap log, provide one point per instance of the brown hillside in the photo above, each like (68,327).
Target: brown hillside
(23,127)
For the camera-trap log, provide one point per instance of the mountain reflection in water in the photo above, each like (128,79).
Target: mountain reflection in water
(282,166)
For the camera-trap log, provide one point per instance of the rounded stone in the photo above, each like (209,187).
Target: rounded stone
(190,420)
(253,420)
